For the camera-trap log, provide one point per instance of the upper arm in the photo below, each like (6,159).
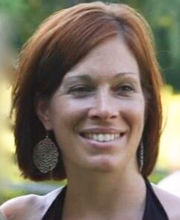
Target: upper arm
(11,210)
(17,208)
(2,216)
(30,207)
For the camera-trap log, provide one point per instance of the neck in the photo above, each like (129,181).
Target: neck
(106,195)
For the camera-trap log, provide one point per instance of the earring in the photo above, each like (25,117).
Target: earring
(45,155)
(141,157)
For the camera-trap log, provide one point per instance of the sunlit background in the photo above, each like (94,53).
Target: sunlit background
(18,20)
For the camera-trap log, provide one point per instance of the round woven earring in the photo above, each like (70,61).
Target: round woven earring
(141,157)
(45,155)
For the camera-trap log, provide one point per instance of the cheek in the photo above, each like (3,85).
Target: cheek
(134,117)
(134,114)
(66,114)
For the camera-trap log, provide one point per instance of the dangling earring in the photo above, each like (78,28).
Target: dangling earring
(141,157)
(45,155)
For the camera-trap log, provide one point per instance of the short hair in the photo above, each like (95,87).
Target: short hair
(61,42)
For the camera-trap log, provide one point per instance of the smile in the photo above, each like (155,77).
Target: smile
(101,137)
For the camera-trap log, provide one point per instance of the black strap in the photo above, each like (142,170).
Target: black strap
(55,211)
(153,208)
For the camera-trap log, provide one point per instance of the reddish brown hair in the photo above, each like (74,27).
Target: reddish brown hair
(60,43)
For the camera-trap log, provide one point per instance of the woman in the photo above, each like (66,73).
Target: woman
(87,107)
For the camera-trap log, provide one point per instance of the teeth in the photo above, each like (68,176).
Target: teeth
(102,137)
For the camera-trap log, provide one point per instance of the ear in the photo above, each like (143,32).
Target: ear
(43,113)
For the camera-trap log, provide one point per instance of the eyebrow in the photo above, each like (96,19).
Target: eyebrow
(74,79)
(88,78)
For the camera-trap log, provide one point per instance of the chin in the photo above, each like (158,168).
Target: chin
(106,164)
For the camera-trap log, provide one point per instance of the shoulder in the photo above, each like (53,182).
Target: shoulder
(171,183)
(17,207)
(29,207)
(170,202)
(2,217)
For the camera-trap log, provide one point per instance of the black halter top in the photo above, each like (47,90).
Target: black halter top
(153,208)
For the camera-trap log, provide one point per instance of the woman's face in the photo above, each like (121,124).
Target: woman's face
(97,113)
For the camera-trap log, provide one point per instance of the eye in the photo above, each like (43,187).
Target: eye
(127,88)
(124,89)
(80,90)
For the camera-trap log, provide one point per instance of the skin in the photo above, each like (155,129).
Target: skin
(102,94)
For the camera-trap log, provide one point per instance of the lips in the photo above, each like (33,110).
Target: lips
(102,135)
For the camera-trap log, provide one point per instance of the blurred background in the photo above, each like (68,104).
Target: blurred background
(20,18)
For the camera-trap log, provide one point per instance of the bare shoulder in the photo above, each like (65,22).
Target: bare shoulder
(15,208)
(170,202)
(28,207)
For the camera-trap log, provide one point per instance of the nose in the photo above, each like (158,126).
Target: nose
(103,107)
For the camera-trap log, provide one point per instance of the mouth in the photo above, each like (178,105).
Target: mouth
(102,137)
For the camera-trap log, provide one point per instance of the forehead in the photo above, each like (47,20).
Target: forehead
(108,58)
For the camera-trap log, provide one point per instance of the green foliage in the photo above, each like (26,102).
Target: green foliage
(9,194)
(158,175)
(164,18)
(25,16)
